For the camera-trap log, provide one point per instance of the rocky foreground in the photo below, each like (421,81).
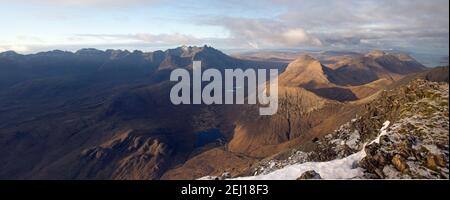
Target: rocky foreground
(417,145)
(413,144)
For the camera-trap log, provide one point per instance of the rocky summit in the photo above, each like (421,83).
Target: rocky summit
(417,145)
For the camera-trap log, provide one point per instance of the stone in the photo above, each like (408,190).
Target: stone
(379,173)
(431,162)
(226,175)
(372,149)
(399,163)
(309,175)
(440,160)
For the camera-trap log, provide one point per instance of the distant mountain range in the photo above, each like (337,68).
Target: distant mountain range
(350,76)
(289,55)
(95,114)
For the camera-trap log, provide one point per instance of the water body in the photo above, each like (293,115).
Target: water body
(431,60)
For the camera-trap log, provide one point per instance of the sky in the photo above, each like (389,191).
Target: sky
(30,26)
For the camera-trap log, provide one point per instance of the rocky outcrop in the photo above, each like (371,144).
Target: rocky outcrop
(129,155)
(309,175)
(417,144)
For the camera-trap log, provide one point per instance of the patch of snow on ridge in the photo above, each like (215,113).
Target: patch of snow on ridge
(383,131)
(353,139)
(344,168)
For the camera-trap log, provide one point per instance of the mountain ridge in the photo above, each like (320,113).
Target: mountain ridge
(82,114)
(351,79)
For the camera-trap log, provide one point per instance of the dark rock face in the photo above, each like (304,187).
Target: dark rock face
(309,175)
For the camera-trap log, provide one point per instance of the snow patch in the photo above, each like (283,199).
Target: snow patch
(352,141)
(383,131)
(336,169)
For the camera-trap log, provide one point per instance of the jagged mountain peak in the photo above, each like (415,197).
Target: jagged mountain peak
(192,51)
(115,54)
(54,53)
(210,57)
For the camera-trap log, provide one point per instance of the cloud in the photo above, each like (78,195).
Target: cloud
(263,33)
(87,3)
(155,39)
(362,22)
(331,23)
(16,48)
(298,37)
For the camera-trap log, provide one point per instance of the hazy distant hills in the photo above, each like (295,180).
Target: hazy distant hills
(97,114)
(332,56)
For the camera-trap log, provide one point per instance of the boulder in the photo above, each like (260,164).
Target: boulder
(399,163)
(309,175)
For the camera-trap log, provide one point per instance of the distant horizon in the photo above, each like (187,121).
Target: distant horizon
(41,25)
(427,59)
(74,50)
